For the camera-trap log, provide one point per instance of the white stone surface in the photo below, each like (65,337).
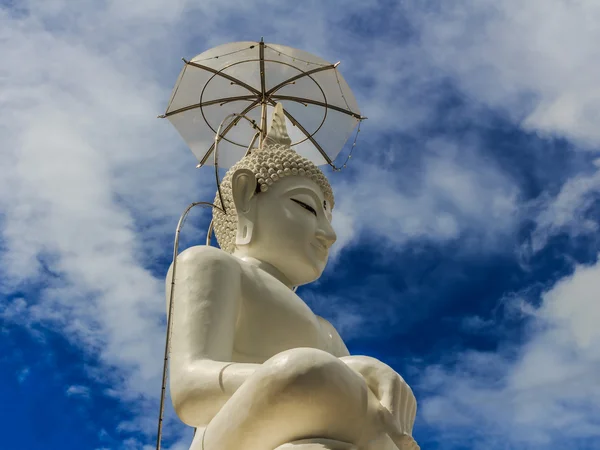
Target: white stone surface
(251,365)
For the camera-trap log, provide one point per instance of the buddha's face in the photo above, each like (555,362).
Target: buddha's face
(292,229)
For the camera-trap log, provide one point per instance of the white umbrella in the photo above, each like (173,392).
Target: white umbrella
(248,79)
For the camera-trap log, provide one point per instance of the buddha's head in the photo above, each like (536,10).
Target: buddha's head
(278,208)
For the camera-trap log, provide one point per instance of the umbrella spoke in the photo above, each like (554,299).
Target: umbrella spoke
(296,77)
(224,75)
(209,103)
(316,102)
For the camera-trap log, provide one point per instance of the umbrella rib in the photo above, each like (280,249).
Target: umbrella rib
(318,103)
(307,134)
(224,75)
(261,58)
(177,87)
(296,77)
(227,128)
(209,103)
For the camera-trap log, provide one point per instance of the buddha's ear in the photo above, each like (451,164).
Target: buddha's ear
(243,188)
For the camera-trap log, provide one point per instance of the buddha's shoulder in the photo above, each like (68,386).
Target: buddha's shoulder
(205,255)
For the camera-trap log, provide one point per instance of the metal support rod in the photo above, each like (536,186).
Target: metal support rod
(170,314)
(249,149)
(263,122)
(218,138)
(209,233)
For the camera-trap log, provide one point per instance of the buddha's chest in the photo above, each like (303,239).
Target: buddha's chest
(273,319)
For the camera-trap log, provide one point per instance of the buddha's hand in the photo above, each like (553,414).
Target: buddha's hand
(394,394)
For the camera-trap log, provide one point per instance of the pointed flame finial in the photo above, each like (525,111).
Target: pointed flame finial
(278,134)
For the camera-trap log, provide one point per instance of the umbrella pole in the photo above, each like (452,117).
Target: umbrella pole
(263,91)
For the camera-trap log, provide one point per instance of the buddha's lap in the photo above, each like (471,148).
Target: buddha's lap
(305,444)
(382,443)
(297,394)
(335,431)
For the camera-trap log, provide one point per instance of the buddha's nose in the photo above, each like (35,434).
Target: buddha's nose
(326,234)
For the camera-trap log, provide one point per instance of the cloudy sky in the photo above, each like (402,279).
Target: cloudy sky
(468,220)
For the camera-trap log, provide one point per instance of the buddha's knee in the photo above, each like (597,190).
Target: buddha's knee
(308,374)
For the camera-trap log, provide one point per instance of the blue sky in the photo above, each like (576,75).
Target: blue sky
(468,242)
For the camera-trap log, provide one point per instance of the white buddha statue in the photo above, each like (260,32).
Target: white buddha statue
(252,367)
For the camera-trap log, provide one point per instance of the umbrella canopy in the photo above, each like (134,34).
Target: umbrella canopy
(249,79)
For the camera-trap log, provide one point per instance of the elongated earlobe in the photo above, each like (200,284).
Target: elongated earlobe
(244,232)
(243,186)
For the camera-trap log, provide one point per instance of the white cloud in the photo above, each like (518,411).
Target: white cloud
(566,212)
(451,192)
(86,165)
(538,60)
(77,390)
(548,393)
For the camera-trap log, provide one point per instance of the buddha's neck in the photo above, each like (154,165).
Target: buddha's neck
(264,266)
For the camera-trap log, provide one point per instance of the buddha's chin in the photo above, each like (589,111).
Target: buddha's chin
(301,267)
(310,271)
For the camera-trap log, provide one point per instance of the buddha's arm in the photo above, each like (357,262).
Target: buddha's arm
(206,304)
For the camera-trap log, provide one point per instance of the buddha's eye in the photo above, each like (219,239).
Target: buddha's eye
(305,206)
